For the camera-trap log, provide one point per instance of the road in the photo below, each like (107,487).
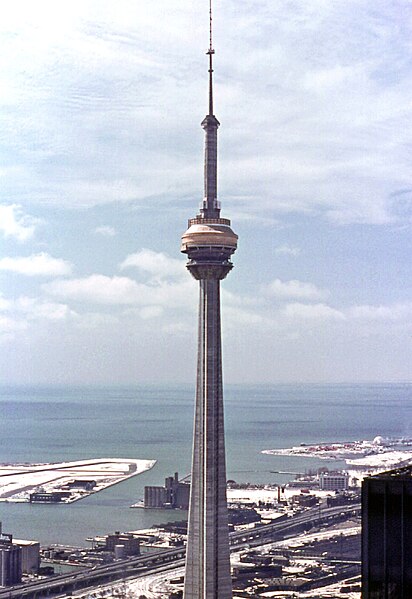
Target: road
(145,564)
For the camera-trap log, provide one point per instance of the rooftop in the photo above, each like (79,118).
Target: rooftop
(405,472)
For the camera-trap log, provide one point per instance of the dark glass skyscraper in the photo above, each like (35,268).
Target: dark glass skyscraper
(387,535)
(209,243)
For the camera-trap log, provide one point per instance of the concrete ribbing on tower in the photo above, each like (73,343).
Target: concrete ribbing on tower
(210,125)
(207,573)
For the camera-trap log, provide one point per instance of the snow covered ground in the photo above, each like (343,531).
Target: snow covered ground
(152,586)
(18,481)
(158,586)
(267,495)
(379,453)
(387,460)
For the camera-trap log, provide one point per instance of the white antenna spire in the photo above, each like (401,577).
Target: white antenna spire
(210,52)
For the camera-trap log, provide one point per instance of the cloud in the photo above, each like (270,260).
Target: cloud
(14,223)
(156,264)
(96,321)
(287,250)
(69,88)
(177,329)
(313,312)
(151,312)
(106,231)
(294,289)
(24,313)
(123,291)
(40,309)
(4,303)
(88,88)
(392,312)
(354,315)
(35,265)
(235,317)
(8,326)
(99,289)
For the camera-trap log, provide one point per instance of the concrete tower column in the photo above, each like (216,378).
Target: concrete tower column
(208,562)
(209,243)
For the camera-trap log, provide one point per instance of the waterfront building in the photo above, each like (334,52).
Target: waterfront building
(333,481)
(52,497)
(175,494)
(209,243)
(10,565)
(30,555)
(387,535)
(154,496)
(10,560)
(82,484)
(127,541)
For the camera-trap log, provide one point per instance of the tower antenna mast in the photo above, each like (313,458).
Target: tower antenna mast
(210,52)
(210,26)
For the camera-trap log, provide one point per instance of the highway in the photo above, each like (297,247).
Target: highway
(307,519)
(145,564)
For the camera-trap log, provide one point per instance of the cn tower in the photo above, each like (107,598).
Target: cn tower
(209,242)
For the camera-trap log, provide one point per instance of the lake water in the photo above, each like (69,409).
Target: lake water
(51,424)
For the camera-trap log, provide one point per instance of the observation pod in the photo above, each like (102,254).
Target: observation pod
(209,244)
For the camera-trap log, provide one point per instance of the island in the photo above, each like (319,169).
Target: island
(65,482)
(382,453)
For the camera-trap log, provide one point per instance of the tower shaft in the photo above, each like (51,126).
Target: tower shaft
(208,561)
(209,243)
(210,204)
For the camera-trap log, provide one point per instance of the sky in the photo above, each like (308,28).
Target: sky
(101,165)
